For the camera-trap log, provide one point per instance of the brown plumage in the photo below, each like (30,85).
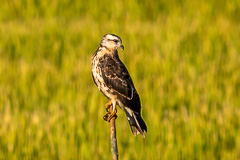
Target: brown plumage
(113,80)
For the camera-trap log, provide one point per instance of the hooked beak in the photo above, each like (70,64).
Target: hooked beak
(122,47)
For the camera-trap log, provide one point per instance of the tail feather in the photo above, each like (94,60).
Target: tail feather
(136,122)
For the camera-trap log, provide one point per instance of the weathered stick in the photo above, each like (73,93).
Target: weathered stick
(113,136)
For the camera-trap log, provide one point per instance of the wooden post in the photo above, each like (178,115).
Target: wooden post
(113,136)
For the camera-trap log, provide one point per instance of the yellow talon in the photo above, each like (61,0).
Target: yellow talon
(111,115)
(108,105)
(105,117)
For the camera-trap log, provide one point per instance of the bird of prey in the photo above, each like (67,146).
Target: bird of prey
(113,80)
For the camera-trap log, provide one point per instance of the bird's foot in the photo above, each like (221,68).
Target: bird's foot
(108,105)
(109,115)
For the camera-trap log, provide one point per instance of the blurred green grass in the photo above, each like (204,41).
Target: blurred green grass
(183,57)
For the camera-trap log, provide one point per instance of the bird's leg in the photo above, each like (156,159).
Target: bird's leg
(113,112)
(108,105)
(110,113)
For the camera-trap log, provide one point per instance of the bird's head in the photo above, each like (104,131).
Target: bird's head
(111,42)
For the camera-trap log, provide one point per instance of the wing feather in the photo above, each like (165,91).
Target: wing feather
(116,77)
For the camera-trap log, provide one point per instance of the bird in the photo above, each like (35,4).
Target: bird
(114,81)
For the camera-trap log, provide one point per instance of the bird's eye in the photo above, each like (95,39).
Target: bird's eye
(115,40)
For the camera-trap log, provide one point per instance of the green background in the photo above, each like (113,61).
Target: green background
(183,57)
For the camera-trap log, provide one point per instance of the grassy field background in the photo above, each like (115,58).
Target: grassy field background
(183,57)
